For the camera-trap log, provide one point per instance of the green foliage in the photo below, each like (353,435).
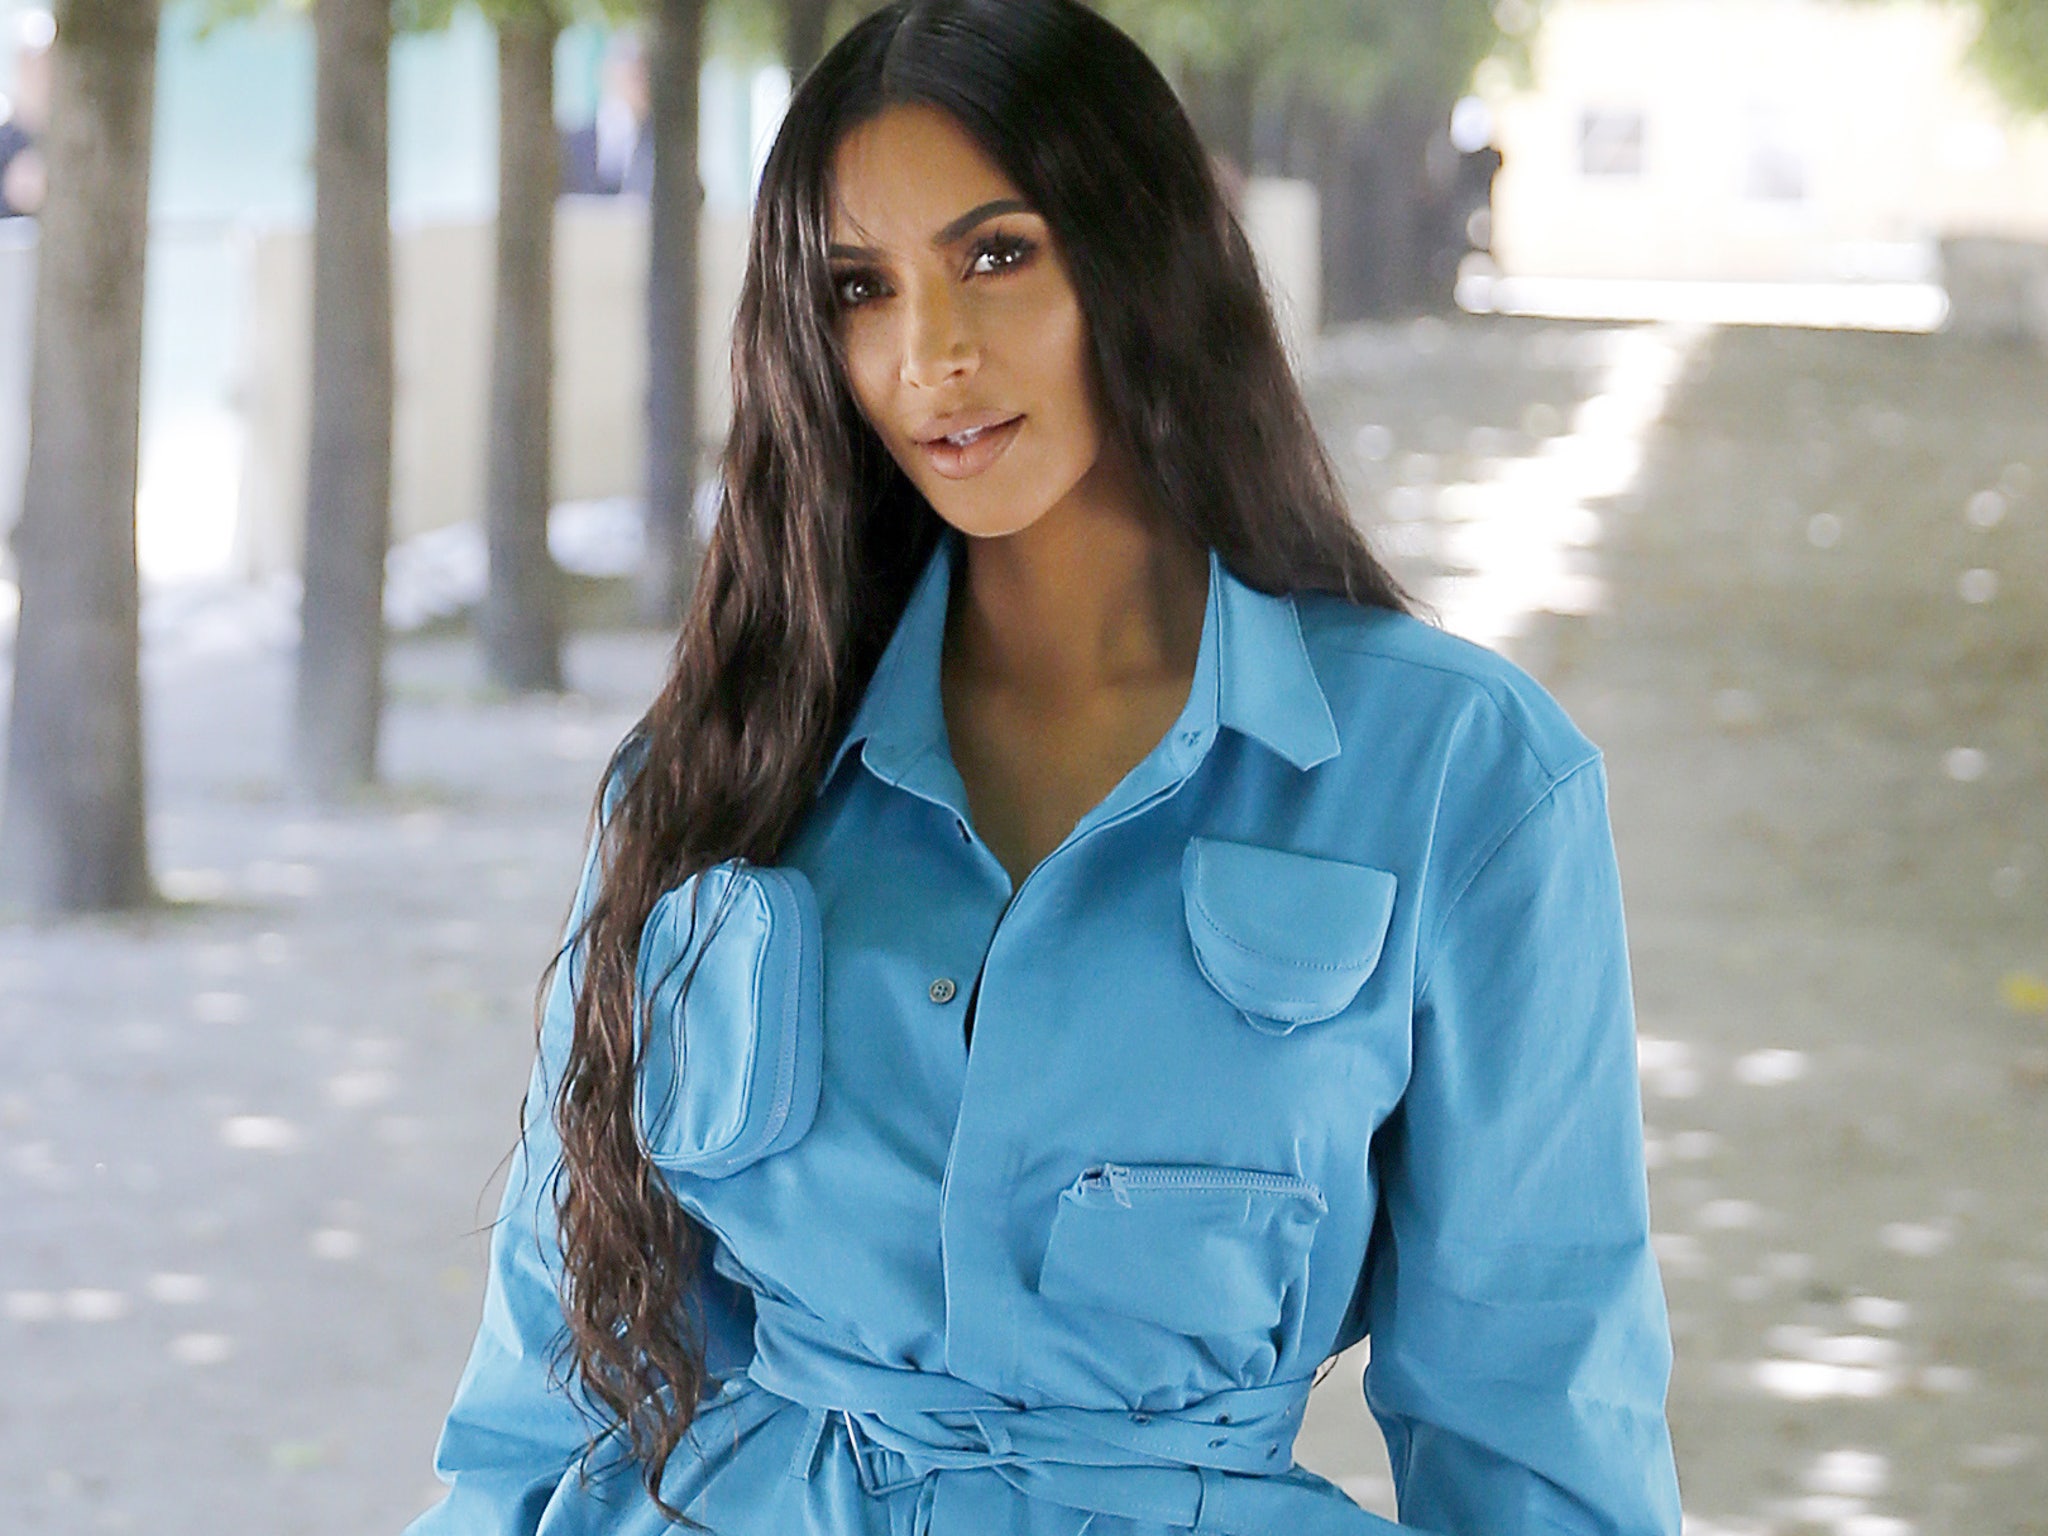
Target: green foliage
(751,31)
(2012,50)
(218,13)
(745,30)
(1347,52)
(430,15)
(1344,51)
(427,15)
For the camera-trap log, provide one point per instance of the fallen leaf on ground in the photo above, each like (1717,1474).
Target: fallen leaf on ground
(2024,992)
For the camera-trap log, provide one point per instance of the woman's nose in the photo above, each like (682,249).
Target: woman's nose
(938,344)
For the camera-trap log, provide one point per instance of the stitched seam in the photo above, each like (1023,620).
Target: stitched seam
(1426,955)
(1487,688)
(1266,955)
(1292,1014)
(1202,908)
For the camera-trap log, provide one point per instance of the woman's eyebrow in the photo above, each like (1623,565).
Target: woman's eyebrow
(974,216)
(951,232)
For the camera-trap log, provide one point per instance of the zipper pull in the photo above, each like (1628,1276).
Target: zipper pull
(1113,1177)
(1119,1181)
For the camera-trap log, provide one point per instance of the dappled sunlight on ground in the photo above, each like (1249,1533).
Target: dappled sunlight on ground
(1796,587)
(1816,659)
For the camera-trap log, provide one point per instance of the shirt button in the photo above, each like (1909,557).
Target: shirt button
(942,990)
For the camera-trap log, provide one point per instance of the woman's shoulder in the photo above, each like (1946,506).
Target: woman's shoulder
(1390,677)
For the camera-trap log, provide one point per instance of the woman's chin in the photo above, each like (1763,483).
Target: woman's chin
(994,525)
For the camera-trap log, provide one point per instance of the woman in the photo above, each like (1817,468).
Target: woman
(1065,954)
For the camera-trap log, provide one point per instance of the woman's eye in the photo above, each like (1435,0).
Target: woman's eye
(1002,253)
(853,289)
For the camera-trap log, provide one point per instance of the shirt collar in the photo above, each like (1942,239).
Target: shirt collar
(1252,674)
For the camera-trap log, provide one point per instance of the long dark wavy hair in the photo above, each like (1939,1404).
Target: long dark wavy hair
(820,536)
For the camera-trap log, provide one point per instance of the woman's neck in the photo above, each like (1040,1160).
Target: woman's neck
(1077,604)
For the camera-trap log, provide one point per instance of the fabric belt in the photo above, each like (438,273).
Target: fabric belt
(1215,1465)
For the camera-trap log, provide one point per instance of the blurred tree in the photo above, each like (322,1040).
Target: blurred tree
(521,621)
(1359,94)
(2013,50)
(339,693)
(675,58)
(521,618)
(794,32)
(339,696)
(803,34)
(348,473)
(518,629)
(72,830)
(348,521)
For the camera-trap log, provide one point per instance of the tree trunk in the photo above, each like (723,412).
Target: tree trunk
(73,836)
(348,477)
(675,58)
(1381,216)
(803,35)
(522,612)
(1220,103)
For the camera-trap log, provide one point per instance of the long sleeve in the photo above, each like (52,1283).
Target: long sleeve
(1520,1347)
(517,1429)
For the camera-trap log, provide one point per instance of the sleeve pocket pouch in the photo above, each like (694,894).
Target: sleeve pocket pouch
(1288,938)
(731,977)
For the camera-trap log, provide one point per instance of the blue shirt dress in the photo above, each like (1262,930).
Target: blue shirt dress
(1317,1027)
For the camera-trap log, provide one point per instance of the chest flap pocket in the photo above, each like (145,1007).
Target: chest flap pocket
(1289,938)
(730,978)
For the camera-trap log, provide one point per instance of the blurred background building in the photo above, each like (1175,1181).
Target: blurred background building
(1825,146)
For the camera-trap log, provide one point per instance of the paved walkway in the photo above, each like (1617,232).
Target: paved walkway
(247,1145)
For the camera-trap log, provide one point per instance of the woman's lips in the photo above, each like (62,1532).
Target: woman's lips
(964,463)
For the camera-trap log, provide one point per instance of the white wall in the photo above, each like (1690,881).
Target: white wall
(1283,221)
(442,317)
(1897,140)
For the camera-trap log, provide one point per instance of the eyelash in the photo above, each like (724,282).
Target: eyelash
(1018,249)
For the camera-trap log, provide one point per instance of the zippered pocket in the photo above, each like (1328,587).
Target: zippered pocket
(1217,1254)
(1115,1181)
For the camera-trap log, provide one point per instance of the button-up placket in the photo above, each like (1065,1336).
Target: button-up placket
(1251,671)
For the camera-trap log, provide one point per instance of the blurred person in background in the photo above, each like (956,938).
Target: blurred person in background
(614,152)
(1066,953)
(23,178)
(1479,167)
(1463,165)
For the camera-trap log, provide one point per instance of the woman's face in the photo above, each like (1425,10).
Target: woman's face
(965,345)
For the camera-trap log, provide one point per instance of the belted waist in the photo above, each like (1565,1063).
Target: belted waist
(1209,1466)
